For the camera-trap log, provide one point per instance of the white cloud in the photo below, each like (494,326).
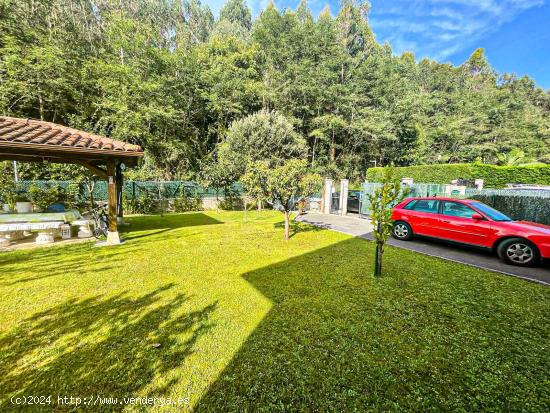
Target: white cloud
(442,28)
(401,24)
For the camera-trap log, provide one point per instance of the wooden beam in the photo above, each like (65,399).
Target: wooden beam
(29,155)
(4,156)
(102,173)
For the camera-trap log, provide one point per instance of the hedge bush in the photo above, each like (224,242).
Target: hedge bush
(494,176)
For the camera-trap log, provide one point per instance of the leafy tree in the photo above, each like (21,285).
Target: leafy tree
(8,188)
(167,75)
(236,11)
(512,158)
(284,186)
(219,175)
(382,200)
(265,135)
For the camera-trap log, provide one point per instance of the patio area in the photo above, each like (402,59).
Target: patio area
(29,140)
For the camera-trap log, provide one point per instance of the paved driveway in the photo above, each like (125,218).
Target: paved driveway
(362,228)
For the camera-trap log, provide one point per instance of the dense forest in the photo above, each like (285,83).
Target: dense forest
(169,76)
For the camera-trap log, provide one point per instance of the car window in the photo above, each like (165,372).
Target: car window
(426,205)
(491,212)
(456,209)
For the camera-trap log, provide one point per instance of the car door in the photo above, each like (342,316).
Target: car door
(422,215)
(457,224)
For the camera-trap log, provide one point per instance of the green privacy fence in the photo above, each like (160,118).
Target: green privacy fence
(529,205)
(519,205)
(419,189)
(137,189)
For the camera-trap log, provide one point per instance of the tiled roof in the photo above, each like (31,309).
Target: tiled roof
(36,132)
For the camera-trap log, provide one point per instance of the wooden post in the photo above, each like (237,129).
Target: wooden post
(112,236)
(119,186)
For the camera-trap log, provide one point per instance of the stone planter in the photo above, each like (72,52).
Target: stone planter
(23,207)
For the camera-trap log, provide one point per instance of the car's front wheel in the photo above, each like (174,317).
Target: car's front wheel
(402,231)
(518,251)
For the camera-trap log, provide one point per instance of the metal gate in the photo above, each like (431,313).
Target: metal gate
(335,203)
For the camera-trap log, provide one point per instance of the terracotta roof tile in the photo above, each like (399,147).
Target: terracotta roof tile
(32,131)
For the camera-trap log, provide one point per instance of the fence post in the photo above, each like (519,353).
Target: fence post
(327,196)
(344,184)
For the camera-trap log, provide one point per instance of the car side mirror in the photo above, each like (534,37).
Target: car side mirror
(478,217)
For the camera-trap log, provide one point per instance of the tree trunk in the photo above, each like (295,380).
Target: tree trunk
(90,186)
(332,148)
(379,252)
(41,107)
(378,259)
(287,225)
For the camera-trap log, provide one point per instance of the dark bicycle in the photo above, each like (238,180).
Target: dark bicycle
(100,219)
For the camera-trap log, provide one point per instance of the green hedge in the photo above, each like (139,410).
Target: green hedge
(494,176)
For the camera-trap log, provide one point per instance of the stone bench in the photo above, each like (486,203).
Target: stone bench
(14,231)
(84,227)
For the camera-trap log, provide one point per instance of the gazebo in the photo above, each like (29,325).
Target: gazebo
(30,140)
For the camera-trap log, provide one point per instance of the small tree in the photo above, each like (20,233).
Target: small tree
(8,187)
(262,136)
(381,203)
(282,186)
(218,175)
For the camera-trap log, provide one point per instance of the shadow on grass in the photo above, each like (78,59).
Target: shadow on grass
(168,222)
(70,260)
(297,227)
(421,338)
(84,258)
(107,346)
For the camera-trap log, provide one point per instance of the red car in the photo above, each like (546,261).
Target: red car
(472,223)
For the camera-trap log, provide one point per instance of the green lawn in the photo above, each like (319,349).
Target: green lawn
(249,322)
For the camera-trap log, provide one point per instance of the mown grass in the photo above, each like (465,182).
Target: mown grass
(226,313)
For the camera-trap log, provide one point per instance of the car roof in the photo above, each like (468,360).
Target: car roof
(439,198)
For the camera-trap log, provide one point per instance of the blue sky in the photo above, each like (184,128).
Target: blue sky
(514,33)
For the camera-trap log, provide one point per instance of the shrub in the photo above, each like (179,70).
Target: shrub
(8,193)
(185,203)
(494,176)
(73,198)
(43,197)
(145,203)
(232,203)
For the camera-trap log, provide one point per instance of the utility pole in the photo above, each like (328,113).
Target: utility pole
(15,174)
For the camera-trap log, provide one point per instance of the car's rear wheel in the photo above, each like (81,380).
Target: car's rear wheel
(402,231)
(518,251)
